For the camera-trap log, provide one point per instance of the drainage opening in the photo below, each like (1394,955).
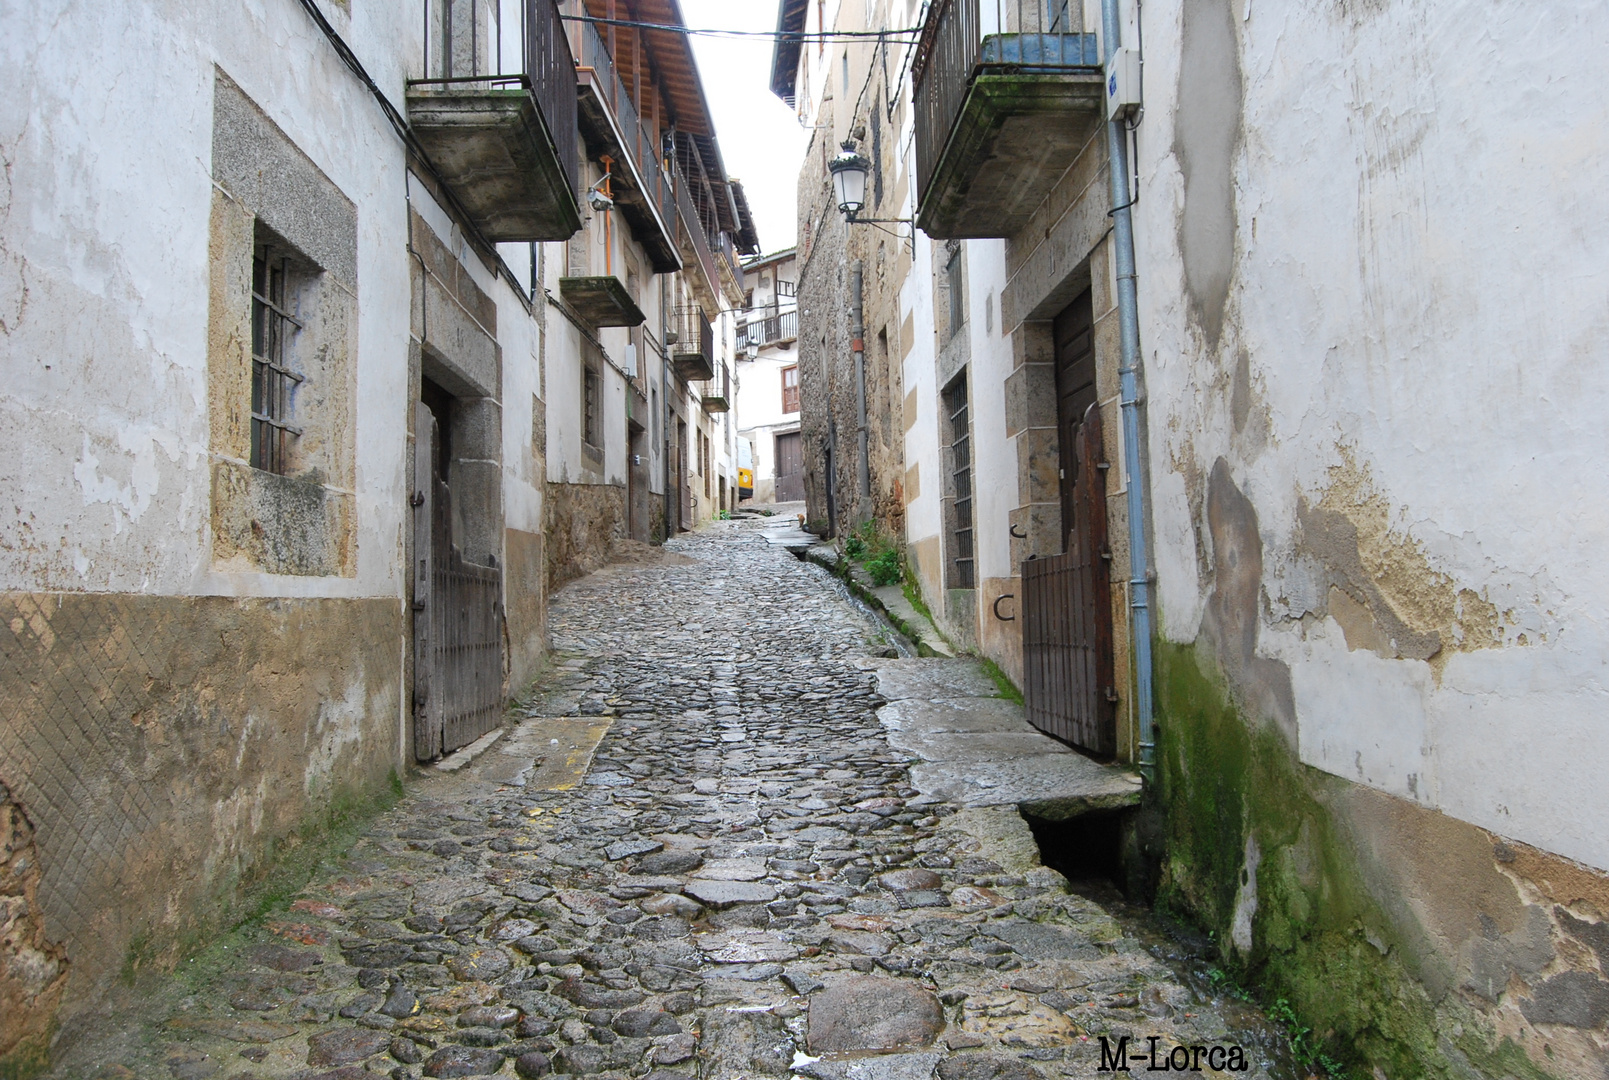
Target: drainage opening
(1087,850)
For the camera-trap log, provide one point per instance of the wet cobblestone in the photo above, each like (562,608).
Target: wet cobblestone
(744,883)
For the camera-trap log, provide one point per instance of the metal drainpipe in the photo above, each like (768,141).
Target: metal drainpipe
(664,396)
(1129,375)
(857,342)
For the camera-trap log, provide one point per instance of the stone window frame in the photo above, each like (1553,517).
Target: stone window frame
(299,517)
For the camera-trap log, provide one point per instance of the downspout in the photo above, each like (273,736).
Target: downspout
(1129,377)
(857,342)
(664,396)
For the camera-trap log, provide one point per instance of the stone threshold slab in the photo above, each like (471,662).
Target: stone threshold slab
(977,749)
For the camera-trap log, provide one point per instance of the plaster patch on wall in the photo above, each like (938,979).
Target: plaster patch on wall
(1383,590)
(1240,929)
(1207,133)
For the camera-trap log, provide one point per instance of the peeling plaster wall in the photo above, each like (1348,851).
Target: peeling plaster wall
(1404,385)
(1373,317)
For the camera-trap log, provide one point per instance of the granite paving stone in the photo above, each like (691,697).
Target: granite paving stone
(694,853)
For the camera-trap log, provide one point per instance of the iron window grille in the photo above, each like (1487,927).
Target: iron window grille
(961,484)
(592,391)
(273,382)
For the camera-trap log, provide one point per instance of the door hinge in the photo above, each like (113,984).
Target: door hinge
(417,499)
(1106,553)
(419,605)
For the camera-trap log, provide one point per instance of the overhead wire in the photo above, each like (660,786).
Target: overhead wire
(913,33)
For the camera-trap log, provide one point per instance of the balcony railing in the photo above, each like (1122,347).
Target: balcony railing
(717,392)
(966,39)
(692,354)
(639,142)
(485,62)
(694,226)
(762,328)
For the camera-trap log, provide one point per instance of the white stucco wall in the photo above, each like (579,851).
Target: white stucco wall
(1417,281)
(106,137)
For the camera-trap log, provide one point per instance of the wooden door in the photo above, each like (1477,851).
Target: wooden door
(790,467)
(1075,393)
(458,633)
(1068,668)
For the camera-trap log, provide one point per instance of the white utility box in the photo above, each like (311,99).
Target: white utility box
(1123,84)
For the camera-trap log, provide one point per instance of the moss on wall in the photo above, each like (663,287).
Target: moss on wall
(1259,852)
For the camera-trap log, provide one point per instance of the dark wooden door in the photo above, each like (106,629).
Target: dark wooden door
(790,467)
(1068,669)
(1075,393)
(458,634)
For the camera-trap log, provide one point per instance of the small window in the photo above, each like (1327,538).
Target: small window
(273,377)
(955,285)
(790,389)
(592,408)
(962,562)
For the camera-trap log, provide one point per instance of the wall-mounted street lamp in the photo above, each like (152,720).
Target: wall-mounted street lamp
(849,171)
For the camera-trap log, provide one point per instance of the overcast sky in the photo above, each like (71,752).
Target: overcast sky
(761,140)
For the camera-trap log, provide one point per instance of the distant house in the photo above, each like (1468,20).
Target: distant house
(768,378)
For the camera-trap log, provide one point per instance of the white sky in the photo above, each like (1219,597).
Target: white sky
(761,140)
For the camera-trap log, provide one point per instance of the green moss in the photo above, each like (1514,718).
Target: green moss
(914,597)
(29,1058)
(1008,689)
(1322,945)
(282,869)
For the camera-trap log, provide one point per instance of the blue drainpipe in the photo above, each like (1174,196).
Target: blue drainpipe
(1129,373)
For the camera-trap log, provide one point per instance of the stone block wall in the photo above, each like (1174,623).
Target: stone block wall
(583,519)
(156,755)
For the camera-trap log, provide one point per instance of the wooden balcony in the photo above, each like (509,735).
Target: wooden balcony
(612,127)
(1008,94)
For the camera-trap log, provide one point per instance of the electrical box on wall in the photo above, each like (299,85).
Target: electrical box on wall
(1123,84)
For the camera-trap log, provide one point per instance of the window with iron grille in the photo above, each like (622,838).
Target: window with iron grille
(274,380)
(704,461)
(962,563)
(790,389)
(955,285)
(591,407)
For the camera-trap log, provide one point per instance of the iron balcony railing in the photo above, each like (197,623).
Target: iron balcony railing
(963,39)
(642,142)
(761,328)
(717,392)
(501,42)
(694,334)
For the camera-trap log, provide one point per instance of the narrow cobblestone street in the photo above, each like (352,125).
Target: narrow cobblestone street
(697,856)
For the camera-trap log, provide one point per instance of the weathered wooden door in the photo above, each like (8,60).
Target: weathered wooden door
(458,638)
(1068,670)
(790,467)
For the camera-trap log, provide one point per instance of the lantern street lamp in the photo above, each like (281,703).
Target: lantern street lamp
(849,171)
(849,180)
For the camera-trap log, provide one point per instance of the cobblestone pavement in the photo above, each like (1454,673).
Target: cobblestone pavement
(743,885)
